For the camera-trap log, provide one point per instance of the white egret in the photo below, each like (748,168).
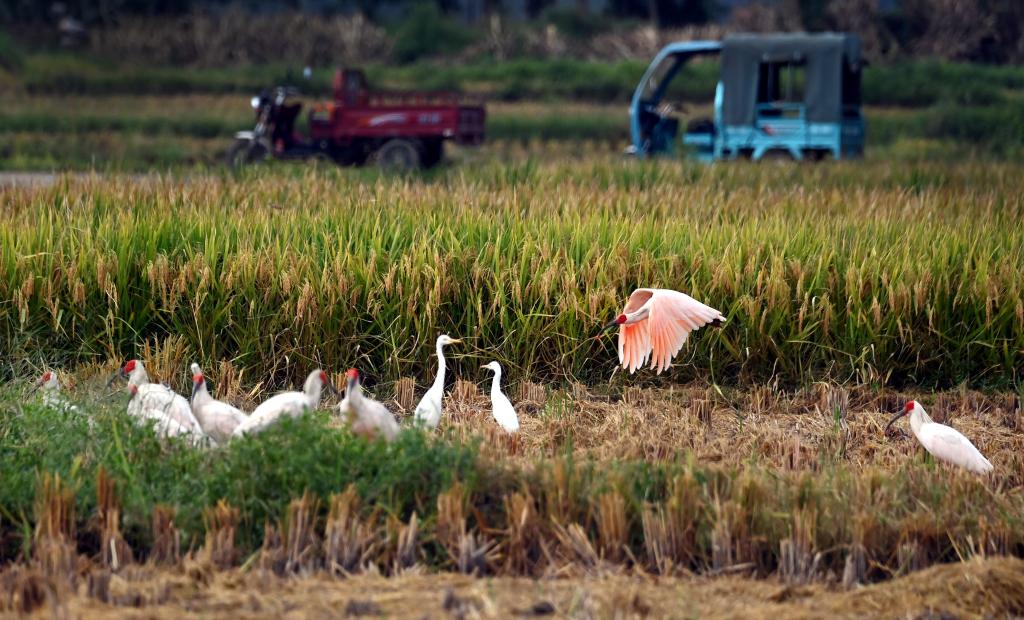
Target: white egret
(501,407)
(428,411)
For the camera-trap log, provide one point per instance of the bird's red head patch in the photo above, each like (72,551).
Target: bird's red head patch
(910,406)
(621,319)
(129,367)
(323,377)
(197,378)
(352,373)
(46,377)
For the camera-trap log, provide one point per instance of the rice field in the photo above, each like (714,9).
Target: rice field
(754,478)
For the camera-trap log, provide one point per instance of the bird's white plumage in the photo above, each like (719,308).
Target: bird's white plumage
(158,397)
(52,397)
(429,410)
(163,424)
(366,416)
(657,324)
(948,444)
(286,404)
(943,442)
(217,418)
(501,407)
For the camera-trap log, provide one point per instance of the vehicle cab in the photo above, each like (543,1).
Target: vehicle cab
(781,95)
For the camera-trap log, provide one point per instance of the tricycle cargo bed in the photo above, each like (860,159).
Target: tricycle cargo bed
(463,124)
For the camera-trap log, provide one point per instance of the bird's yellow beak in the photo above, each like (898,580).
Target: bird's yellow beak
(455,341)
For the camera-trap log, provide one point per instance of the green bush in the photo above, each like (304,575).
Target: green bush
(426,32)
(11,56)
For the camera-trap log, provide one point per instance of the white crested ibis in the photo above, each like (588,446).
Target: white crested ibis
(156,396)
(944,443)
(52,397)
(163,424)
(217,418)
(366,416)
(286,404)
(658,321)
(428,411)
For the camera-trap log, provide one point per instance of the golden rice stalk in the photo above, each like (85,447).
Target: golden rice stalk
(349,542)
(114,551)
(522,547)
(221,523)
(798,561)
(54,540)
(301,541)
(609,513)
(404,544)
(166,548)
(405,393)
(575,546)
(273,557)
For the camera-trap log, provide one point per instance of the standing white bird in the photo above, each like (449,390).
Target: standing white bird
(217,418)
(156,396)
(163,425)
(366,416)
(428,411)
(286,404)
(501,407)
(658,320)
(942,442)
(52,397)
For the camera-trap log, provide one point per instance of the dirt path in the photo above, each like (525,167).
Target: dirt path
(18,179)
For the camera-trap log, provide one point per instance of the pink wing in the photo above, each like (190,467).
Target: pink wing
(672,317)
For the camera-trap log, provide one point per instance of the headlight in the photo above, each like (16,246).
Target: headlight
(255,102)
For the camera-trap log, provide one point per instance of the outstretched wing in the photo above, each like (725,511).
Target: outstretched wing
(634,345)
(673,316)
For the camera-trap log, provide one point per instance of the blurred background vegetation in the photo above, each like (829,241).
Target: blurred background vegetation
(134,84)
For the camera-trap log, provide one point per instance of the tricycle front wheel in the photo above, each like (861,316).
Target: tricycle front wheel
(245,152)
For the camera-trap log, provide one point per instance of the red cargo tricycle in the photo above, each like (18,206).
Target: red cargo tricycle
(395,130)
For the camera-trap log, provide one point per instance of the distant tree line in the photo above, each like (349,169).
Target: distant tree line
(966,30)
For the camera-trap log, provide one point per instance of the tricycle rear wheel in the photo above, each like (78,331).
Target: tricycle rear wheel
(398,155)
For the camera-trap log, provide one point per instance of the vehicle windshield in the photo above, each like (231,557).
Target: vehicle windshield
(660,73)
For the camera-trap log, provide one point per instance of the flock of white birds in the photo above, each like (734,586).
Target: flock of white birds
(202,419)
(654,325)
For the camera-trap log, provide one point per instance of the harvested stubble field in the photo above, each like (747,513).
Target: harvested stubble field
(754,479)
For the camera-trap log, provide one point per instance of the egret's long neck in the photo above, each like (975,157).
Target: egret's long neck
(439,379)
(496,382)
(354,393)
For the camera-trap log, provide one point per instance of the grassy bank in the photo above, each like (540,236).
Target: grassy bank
(909,84)
(506,512)
(867,271)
